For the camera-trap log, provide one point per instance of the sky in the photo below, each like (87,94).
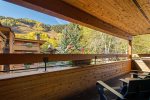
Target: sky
(15,11)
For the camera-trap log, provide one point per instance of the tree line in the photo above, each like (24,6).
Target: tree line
(73,38)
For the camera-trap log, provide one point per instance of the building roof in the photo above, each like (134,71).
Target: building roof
(122,18)
(29,40)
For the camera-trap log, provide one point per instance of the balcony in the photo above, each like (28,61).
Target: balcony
(123,19)
(25,48)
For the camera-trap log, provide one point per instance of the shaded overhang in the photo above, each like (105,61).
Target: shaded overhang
(121,18)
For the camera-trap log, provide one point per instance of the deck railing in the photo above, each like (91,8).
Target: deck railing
(25,60)
(34,58)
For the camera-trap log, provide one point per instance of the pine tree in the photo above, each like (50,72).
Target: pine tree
(70,42)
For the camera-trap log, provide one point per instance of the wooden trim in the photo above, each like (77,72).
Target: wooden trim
(33,58)
(65,11)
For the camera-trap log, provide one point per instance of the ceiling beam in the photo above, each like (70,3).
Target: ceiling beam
(141,10)
(60,9)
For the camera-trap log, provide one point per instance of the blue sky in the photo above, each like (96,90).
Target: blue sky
(15,11)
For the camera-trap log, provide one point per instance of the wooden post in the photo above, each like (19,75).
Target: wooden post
(130,49)
(130,53)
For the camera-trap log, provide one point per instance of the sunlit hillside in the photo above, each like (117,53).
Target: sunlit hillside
(73,38)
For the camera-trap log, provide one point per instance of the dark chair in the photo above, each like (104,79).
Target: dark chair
(134,90)
(140,74)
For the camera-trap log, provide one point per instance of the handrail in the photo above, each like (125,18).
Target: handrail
(34,58)
(144,55)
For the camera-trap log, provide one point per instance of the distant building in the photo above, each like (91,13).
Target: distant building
(27,46)
(10,44)
(2,42)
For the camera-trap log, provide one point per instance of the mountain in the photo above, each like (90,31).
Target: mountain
(24,25)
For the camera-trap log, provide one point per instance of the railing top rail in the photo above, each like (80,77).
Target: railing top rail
(144,55)
(34,58)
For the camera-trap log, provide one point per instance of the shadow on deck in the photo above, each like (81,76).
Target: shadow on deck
(92,93)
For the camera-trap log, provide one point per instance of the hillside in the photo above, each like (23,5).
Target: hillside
(73,38)
(24,25)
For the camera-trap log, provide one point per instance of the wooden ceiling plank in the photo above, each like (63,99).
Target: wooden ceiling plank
(120,13)
(145,7)
(103,11)
(65,11)
(141,10)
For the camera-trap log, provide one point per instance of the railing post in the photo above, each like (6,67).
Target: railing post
(95,59)
(45,60)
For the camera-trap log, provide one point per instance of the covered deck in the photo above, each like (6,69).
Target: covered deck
(123,19)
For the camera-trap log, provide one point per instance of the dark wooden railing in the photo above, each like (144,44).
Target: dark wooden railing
(34,58)
(144,55)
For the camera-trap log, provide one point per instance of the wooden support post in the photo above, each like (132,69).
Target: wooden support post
(130,49)
(130,53)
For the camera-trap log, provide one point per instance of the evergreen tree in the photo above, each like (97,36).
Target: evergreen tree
(70,42)
(57,28)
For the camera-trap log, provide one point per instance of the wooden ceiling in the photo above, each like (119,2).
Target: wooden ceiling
(123,14)
(122,18)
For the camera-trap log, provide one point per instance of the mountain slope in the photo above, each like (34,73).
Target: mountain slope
(24,25)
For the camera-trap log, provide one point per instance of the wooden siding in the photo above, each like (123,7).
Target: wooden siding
(24,43)
(2,41)
(25,48)
(58,85)
(1,45)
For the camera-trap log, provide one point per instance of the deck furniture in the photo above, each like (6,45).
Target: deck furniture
(126,80)
(136,89)
(140,74)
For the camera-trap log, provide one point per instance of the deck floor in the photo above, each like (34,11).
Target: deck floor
(92,94)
